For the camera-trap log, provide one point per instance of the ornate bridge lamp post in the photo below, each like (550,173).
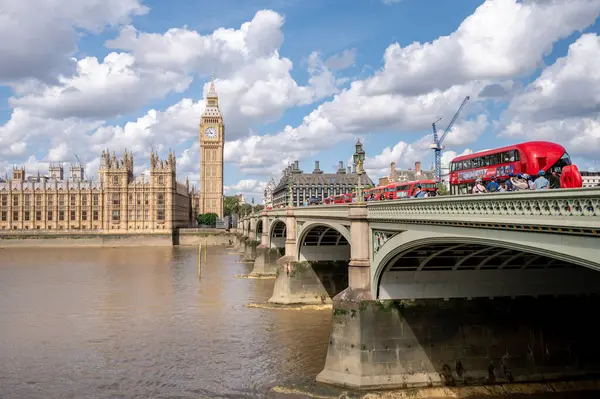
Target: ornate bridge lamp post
(359,158)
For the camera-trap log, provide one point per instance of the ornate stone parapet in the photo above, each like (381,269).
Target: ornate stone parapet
(571,211)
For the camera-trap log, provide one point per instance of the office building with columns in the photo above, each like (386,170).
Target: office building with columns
(316,184)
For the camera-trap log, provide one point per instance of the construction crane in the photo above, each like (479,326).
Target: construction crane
(437,145)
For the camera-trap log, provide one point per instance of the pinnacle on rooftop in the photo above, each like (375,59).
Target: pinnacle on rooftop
(212,92)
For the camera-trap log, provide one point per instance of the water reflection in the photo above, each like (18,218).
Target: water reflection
(138,322)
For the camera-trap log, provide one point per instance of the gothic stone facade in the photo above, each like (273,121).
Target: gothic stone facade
(116,203)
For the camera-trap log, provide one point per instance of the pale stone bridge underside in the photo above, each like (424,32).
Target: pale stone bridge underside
(454,248)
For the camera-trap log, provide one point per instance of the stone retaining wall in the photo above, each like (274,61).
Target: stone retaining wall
(184,237)
(87,240)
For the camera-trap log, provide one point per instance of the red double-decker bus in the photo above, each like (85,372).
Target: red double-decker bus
(375,192)
(525,158)
(400,190)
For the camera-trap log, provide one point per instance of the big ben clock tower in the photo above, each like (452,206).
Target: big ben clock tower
(212,137)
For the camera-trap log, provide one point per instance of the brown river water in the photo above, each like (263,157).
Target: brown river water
(140,323)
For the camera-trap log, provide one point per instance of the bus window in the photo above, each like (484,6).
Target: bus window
(565,160)
(515,156)
(505,157)
(494,159)
(486,161)
(475,162)
(467,164)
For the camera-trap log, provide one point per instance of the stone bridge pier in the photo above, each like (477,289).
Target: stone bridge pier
(315,266)
(265,263)
(239,245)
(251,239)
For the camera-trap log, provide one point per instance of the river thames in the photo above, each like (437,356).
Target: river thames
(140,323)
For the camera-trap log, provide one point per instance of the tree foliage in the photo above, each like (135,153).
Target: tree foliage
(207,219)
(231,206)
(442,190)
(246,209)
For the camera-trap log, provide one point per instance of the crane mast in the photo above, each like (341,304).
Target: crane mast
(438,142)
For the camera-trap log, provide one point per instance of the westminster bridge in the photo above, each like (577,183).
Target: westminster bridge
(444,290)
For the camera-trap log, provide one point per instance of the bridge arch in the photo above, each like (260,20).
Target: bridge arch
(258,229)
(323,241)
(412,265)
(277,234)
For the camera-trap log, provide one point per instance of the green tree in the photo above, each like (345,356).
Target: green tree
(231,205)
(246,209)
(207,219)
(442,189)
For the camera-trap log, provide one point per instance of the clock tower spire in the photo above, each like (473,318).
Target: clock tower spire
(212,138)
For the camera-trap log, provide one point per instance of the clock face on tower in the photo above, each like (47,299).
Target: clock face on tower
(210,132)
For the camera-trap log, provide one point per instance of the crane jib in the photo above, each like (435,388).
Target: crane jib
(437,142)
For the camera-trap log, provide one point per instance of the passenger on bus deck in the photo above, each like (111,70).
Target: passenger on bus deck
(541,183)
(479,188)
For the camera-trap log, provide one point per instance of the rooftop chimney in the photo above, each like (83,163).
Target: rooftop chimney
(418,167)
(317,170)
(296,167)
(393,177)
(348,169)
(341,167)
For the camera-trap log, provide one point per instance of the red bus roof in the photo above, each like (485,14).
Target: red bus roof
(529,146)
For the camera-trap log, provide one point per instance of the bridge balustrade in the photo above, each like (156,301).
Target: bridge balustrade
(563,211)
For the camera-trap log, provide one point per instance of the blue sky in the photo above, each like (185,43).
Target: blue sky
(297,80)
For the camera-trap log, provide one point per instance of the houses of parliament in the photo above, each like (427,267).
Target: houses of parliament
(118,202)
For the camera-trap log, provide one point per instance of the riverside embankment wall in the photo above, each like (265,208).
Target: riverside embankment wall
(184,237)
